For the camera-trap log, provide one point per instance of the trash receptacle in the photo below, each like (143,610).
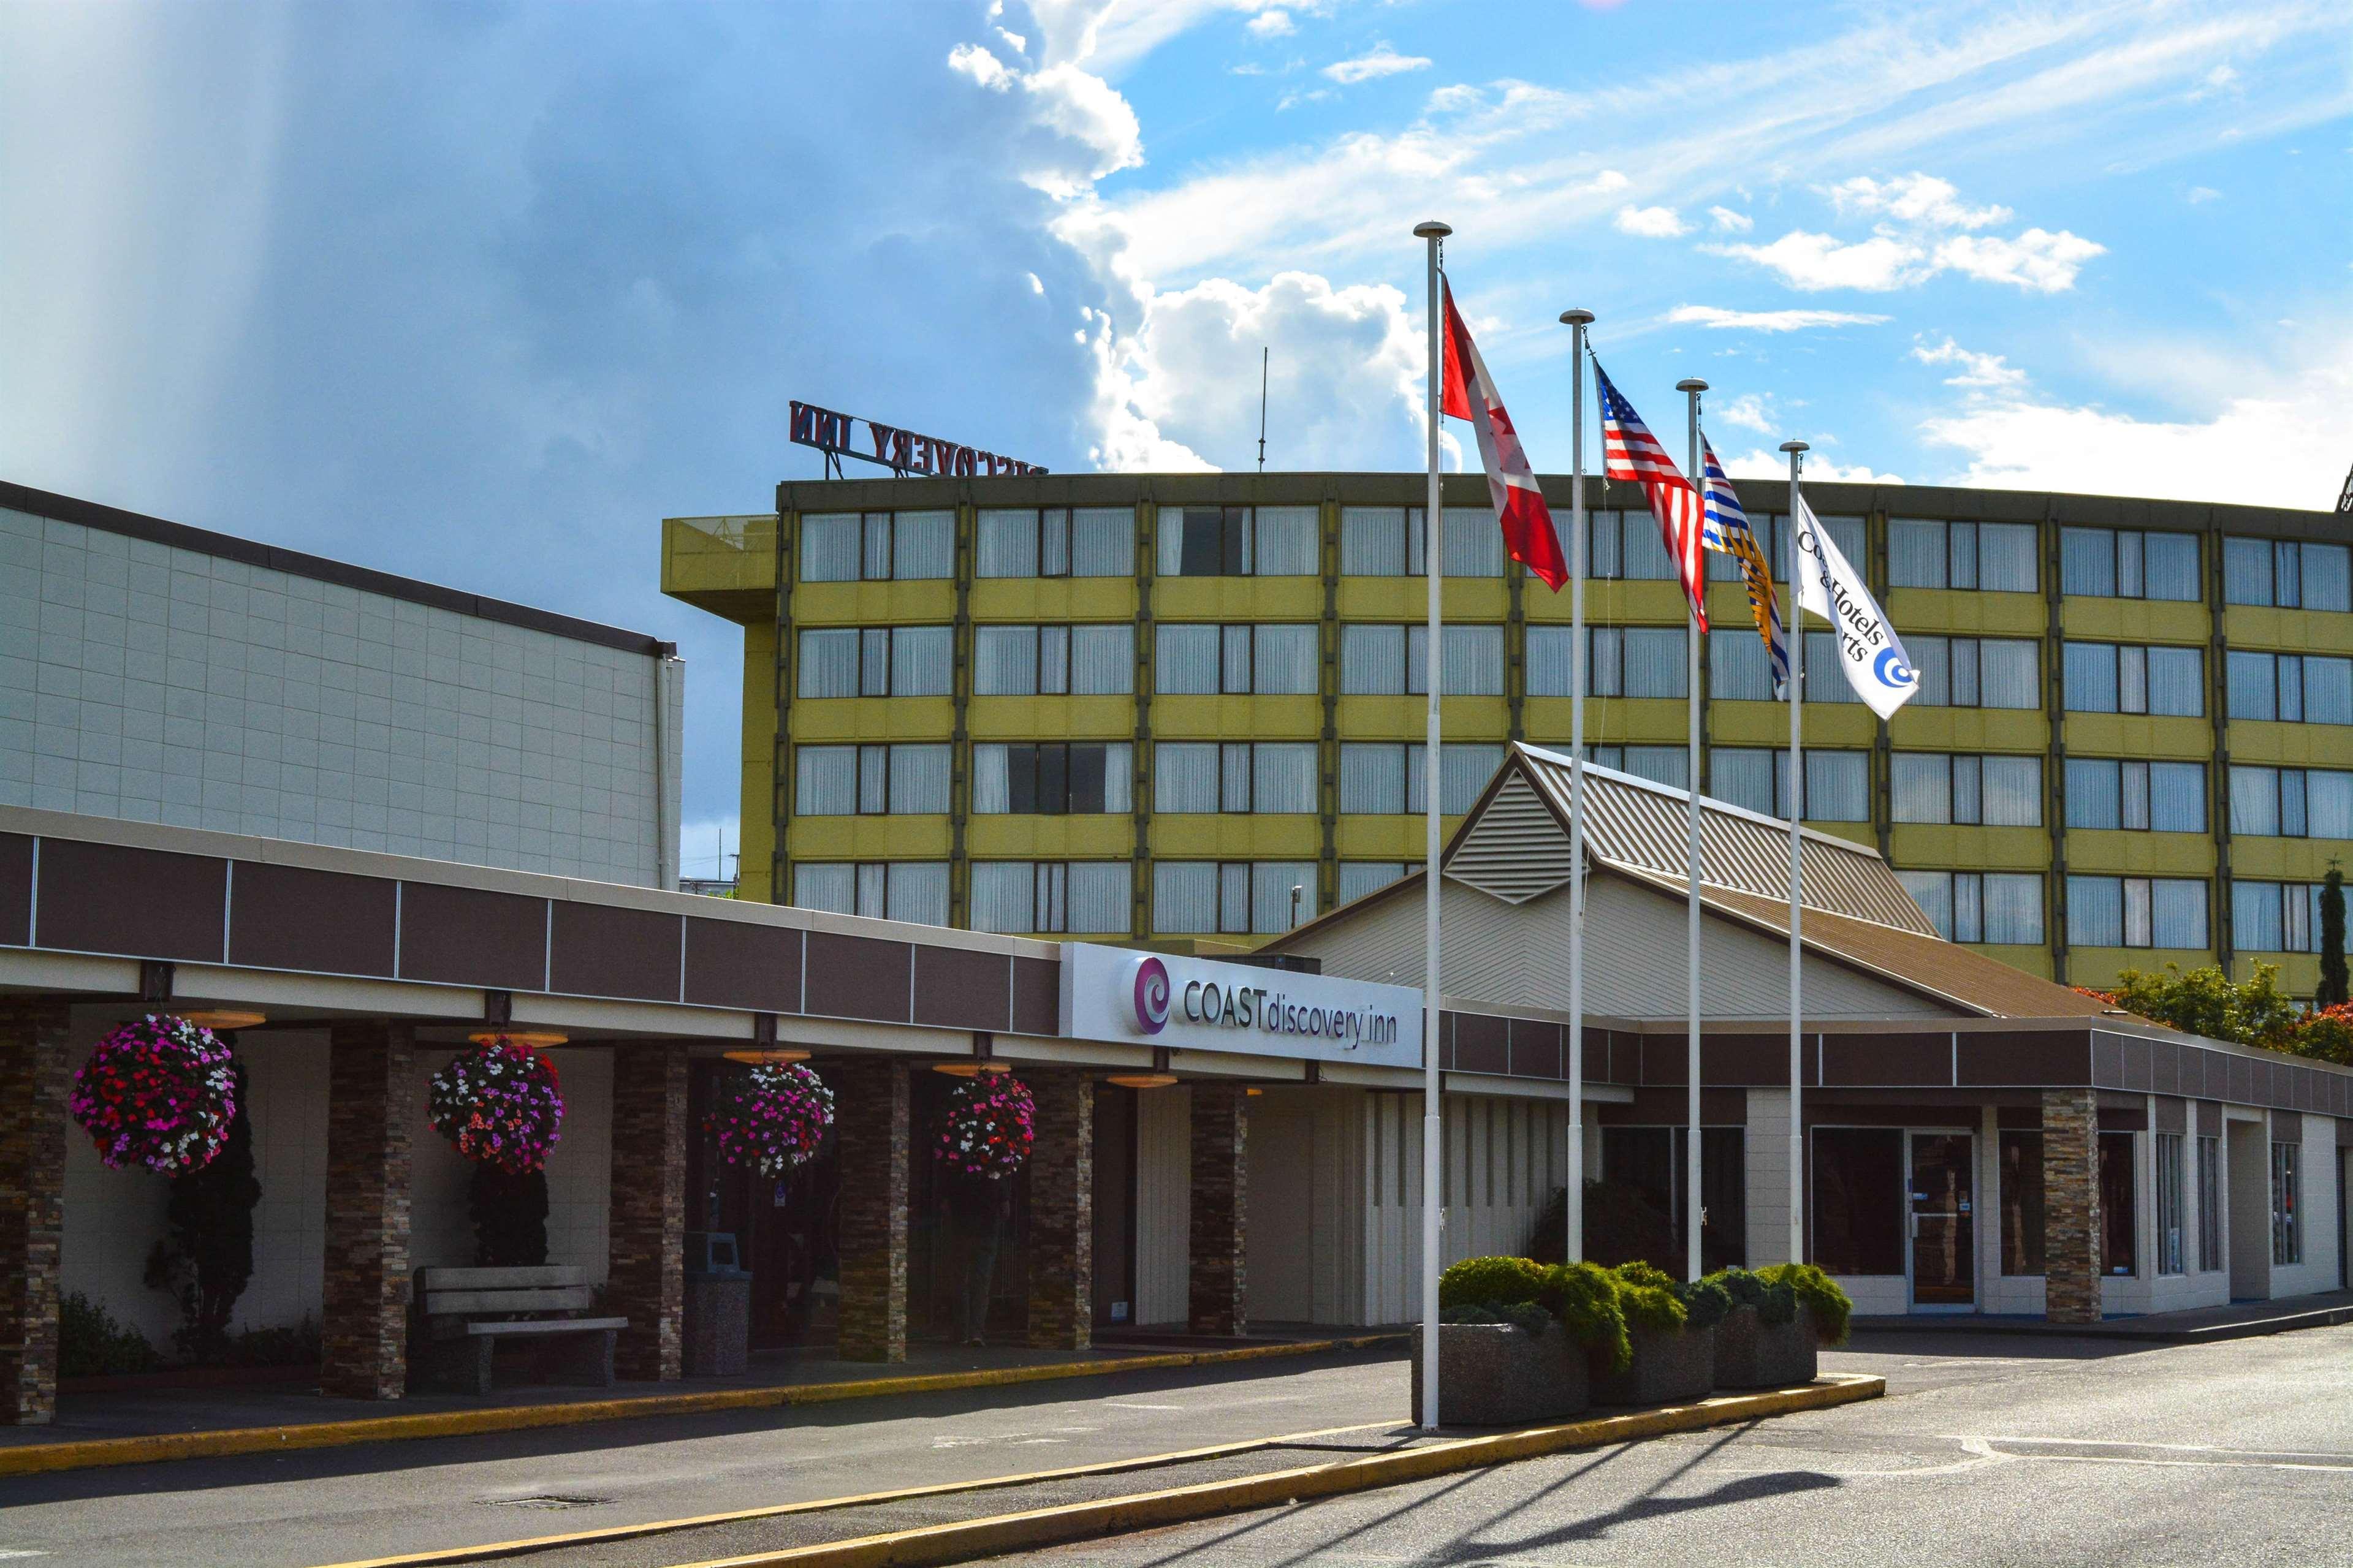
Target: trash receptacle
(718,1307)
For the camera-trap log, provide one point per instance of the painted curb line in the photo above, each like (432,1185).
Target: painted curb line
(964,1541)
(36,1458)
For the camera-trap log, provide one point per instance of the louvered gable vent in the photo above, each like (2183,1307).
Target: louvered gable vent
(1515,849)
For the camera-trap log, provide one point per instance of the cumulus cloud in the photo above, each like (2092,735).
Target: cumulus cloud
(1273,24)
(1980,373)
(1381,61)
(1768,320)
(1759,463)
(1730,222)
(2038,260)
(1914,198)
(1650,222)
(2196,195)
(1087,129)
(1814,262)
(1749,411)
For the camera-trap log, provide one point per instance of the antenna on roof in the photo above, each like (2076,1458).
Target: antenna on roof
(1263,353)
(2343,499)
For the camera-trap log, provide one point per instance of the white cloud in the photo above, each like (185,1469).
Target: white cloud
(1749,412)
(1273,24)
(1036,284)
(1768,320)
(1983,372)
(1817,261)
(1089,131)
(1761,464)
(2037,260)
(1730,222)
(1913,199)
(1382,61)
(972,61)
(1650,223)
(1298,96)
(2196,194)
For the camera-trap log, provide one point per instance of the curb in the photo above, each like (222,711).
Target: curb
(2124,1331)
(36,1458)
(964,1541)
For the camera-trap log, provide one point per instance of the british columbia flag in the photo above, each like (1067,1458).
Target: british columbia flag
(1628,452)
(1728,532)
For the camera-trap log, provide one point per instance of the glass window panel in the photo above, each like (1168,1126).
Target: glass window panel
(1287,540)
(1969,907)
(1473,542)
(1738,667)
(2327,579)
(2256,925)
(2012,792)
(1858,1196)
(876,563)
(1916,553)
(1606,530)
(829,663)
(1743,776)
(873,780)
(989,794)
(825,781)
(2287,1204)
(2177,797)
(919,891)
(2132,582)
(1054,542)
(1669,765)
(1234,777)
(1825,671)
(2327,690)
(1283,776)
(1103,544)
(1551,656)
(2008,558)
(1656,661)
(1372,660)
(830,547)
(919,779)
(2134,778)
(1359,878)
(2177,906)
(874,661)
(1272,899)
(832,887)
(2247,570)
(1185,777)
(2254,801)
(1234,897)
(2095,793)
(1933,891)
(1054,660)
(1968,790)
(1473,665)
(2290,671)
(2013,906)
(1102,895)
(2288,575)
(1002,896)
(2253,680)
(1645,553)
(1463,770)
(1372,541)
(2177,682)
(2132,679)
(2096,911)
(2171,569)
(2328,803)
(1005,661)
(1184,895)
(873,886)
(2087,562)
(1923,786)
(920,665)
(1372,778)
(1119,777)
(1103,660)
(1932,658)
(1838,786)
(1605,666)
(924,545)
(2006,674)
(1961,551)
(2021,1186)
(1234,668)
(1186,660)
(2090,678)
(1285,659)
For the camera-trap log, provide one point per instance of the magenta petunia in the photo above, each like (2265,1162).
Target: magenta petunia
(157,1092)
(772,1119)
(986,1127)
(500,1104)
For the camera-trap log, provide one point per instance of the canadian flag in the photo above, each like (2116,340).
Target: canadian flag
(1469,393)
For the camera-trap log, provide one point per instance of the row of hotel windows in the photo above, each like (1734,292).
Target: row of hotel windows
(1389,542)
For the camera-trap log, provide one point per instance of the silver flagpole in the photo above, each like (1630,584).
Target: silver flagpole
(1691,388)
(1432,1166)
(1577,320)
(1795,629)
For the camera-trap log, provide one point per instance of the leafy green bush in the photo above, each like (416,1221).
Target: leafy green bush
(1523,1315)
(1776,1302)
(1490,1282)
(90,1343)
(1585,1298)
(1819,1294)
(1705,1302)
(1621,1226)
(1647,1297)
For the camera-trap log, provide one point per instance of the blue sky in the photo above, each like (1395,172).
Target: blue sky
(479,293)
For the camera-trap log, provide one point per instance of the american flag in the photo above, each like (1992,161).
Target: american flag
(1628,452)
(1728,532)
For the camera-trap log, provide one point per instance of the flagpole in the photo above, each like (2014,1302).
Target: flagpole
(1691,388)
(1577,321)
(1432,1167)
(1796,632)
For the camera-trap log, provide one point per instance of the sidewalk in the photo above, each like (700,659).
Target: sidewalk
(2199,1325)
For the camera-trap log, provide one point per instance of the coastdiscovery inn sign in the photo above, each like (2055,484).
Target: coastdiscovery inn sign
(1201,1005)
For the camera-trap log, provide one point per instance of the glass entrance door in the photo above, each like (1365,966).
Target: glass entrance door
(1940,1197)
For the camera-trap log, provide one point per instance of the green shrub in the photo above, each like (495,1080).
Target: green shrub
(1647,1297)
(1524,1315)
(1586,1299)
(1705,1302)
(1776,1302)
(1490,1282)
(1819,1294)
(1621,1226)
(90,1343)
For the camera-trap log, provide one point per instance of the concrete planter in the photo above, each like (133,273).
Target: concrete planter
(1669,1367)
(1748,1354)
(1493,1374)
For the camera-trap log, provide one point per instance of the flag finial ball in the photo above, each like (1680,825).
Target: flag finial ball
(1795,447)
(1433,229)
(1577,317)
(1692,383)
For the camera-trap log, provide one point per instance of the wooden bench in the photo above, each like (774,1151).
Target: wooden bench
(465,1312)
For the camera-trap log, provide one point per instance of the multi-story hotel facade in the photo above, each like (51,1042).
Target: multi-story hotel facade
(1172,708)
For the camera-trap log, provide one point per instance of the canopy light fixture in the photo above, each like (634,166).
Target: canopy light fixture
(971,1068)
(537,1040)
(781,1056)
(1253,1093)
(1142,1079)
(221,1020)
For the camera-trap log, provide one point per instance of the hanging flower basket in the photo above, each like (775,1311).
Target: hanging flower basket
(772,1119)
(500,1104)
(989,1127)
(158,1092)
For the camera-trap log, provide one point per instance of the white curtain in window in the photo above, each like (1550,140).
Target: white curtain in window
(2177,797)
(1473,666)
(2008,562)
(919,780)
(1168,531)
(1186,660)
(2170,566)
(920,662)
(830,547)
(2253,683)
(1923,786)
(2327,690)
(1005,544)
(1271,882)
(1003,895)
(1184,895)
(2096,911)
(1656,662)
(1738,668)
(1054,661)
(873,890)
(2092,684)
(1463,770)
(1645,553)
(1005,661)
(1838,786)
(877,551)
(825,781)
(1185,777)
(1933,891)
(1932,657)
(826,887)
(2177,912)
(1604,530)
(1372,541)
(1916,553)
(924,546)
(2327,577)
(919,891)
(1234,777)
(1101,893)
(1372,778)
(1283,776)
(1234,672)
(2328,803)
(2255,801)
(1103,544)
(1103,660)
(1669,765)
(1358,877)
(2177,682)
(2087,562)
(2011,791)
(1284,659)
(2095,793)
(1549,662)
(2013,908)
(2255,923)
(1473,542)
(1287,542)
(829,663)
(1372,660)
(1743,776)
(2247,570)
(2006,674)
(992,794)
(1605,664)
(1825,673)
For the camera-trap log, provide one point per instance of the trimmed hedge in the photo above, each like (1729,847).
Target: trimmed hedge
(1584,1300)
(1819,1294)
(1650,1297)
(1775,1300)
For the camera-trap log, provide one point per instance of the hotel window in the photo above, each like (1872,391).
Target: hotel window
(1390,661)
(1053,661)
(2137,796)
(1968,672)
(1667,765)
(2021,1202)
(2274,917)
(1858,1193)
(1968,790)
(2290,575)
(2287,1204)
(1740,670)
(2120,1205)
(1838,783)
(2136,911)
(1620,661)
(1238,541)
(2171,1244)
(1207,660)
(2127,564)
(2002,907)
(1055,542)
(1359,878)
(878,661)
(1386,778)
(1052,778)
(871,781)
(2113,678)
(2210,1204)
(1389,541)
(877,546)
(1997,557)
(2292,688)
(1241,777)
(914,890)
(1231,897)
(1021,896)
(2291,802)
(1772,534)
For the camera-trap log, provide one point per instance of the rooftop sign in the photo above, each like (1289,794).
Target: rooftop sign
(901,451)
(1201,1005)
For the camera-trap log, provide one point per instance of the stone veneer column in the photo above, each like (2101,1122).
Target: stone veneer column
(2071,1205)
(1062,1210)
(647,1279)
(371,1083)
(1218,1287)
(33,1078)
(870,1134)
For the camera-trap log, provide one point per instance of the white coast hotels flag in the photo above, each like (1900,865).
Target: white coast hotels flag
(1869,650)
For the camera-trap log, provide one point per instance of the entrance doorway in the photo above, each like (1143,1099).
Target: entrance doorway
(2251,1210)
(1941,1198)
